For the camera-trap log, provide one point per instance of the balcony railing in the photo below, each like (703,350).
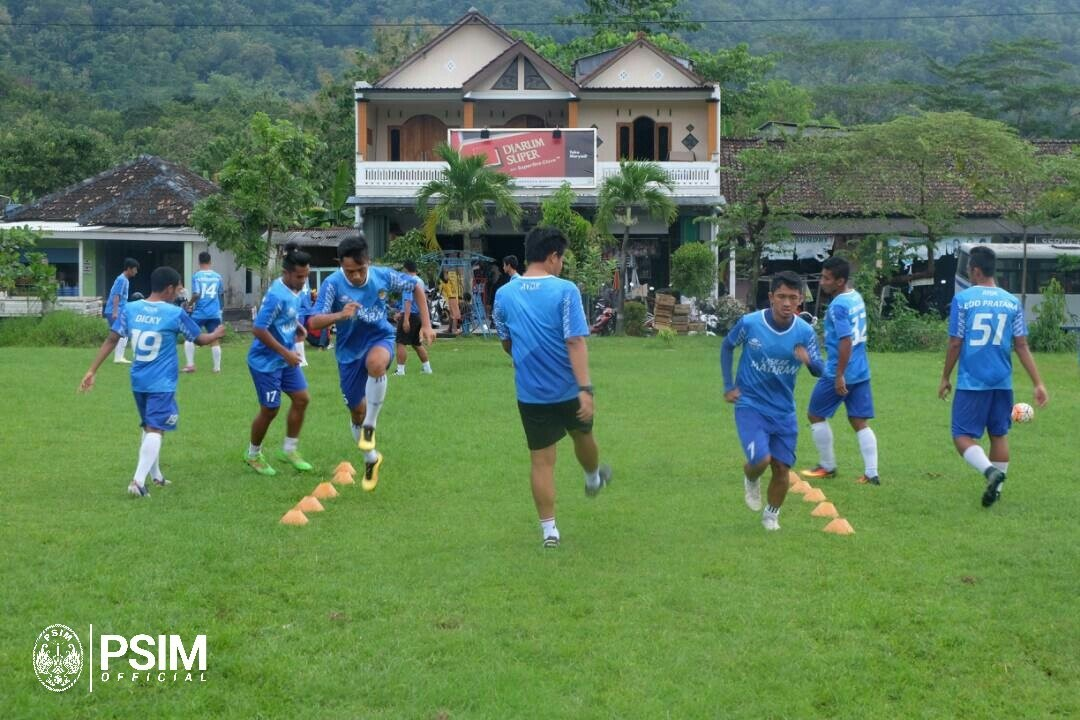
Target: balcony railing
(398,179)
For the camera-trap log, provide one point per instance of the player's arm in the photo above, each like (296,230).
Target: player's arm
(115,305)
(104,351)
(498,317)
(810,356)
(957,323)
(727,360)
(1020,346)
(323,317)
(579,364)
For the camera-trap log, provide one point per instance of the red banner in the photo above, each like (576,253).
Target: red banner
(543,157)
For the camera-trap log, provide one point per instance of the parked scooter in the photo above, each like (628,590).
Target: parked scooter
(605,320)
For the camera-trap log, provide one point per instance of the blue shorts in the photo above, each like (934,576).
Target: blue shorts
(976,410)
(824,401)
(762,436)
(157,410)
(208,324)
(354,374)
(269,386)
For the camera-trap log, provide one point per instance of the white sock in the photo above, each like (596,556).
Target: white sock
(121,345)
(975,456)
(427,366)
(592,479)
(215,352)
(356,432)
(771,511)
(401,368)
(376,394)
(290,444)
(822,434)
(189,352)
(868,448)
(548,528)
(254,450)
(155,469)
(370,456)
(148,456)
(1002,466)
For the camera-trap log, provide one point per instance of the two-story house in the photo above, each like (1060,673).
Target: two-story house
(637,101)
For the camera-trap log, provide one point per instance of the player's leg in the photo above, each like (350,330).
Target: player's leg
(783,439)
(294,385)
(353,388)
(189,357)
(860,409)
(376,363)
(597,476)
(402,358)
(149,450)
(268,390)
(425,359)
(163,415)
(118,353)
(998,424)
(544,426)
(823,404)
(754,441)
(215,347)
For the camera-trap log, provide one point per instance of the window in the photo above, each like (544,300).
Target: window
(625,145)
(247,281)
(663,143)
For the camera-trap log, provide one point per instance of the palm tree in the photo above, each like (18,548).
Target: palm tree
(334,211)
(461,195)
(643,185)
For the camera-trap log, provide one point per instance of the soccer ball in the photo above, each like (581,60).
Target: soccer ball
(1022,413)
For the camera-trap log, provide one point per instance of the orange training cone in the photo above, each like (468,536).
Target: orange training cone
(802,487)
(342,477)
(815,496)
(793,478)
(324,490)
(839,526)
(294,517)
(825,509)
(345,467)
(309,504)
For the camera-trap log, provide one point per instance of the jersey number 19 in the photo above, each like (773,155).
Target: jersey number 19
(147,345)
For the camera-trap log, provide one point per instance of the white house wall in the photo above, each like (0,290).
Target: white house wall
(453,61)
(606,116)
(640,68)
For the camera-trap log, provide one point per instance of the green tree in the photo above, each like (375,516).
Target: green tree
(642,185)
(334,211)
(456,202)
(1061,201)
(633,16)
(584,263)
(23,270)
(693,269)
(902,166)
(1046,334)
(40,155)
(264,187)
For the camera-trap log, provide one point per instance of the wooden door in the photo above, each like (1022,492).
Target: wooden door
(419,137)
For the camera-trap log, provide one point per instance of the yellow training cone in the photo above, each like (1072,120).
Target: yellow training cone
(793,478)
(802,487)
(294,517)
(825,509)
(815,496)
(839,526)
(324,490)
(309,504)
(345,467)
(342,477)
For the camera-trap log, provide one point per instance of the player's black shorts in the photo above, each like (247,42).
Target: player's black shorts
(408,338)
(546,425)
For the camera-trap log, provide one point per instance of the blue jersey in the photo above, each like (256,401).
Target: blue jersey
(414,307)
(846,318)
(208,286)
(539,314)
(768,366)
(358,334)
(305,304)
(986,319)
(119,289)
(152,328)
(279,314)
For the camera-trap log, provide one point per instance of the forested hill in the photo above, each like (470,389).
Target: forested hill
(287,44)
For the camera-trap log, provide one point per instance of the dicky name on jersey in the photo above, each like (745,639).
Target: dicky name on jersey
(148,319)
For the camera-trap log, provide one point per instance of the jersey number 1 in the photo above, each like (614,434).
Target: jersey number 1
(147,344)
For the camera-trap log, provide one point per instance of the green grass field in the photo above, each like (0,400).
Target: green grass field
(432,598)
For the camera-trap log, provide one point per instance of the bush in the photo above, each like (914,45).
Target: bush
(56,329)
(634,318)
(693,269)
(907,330)
(728,312)
(1045,334)
(667,336)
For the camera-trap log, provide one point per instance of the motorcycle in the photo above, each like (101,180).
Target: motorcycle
(440,309)
(605,320)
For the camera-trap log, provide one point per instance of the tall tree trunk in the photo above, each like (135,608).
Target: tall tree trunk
(620,297)
(755,275)
(265,273)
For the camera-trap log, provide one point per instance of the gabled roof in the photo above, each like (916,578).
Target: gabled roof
(472,17)
(147,191)
(808,193)
(511,53)
(641,42)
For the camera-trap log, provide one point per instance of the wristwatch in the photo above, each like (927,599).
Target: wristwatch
(586,389)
